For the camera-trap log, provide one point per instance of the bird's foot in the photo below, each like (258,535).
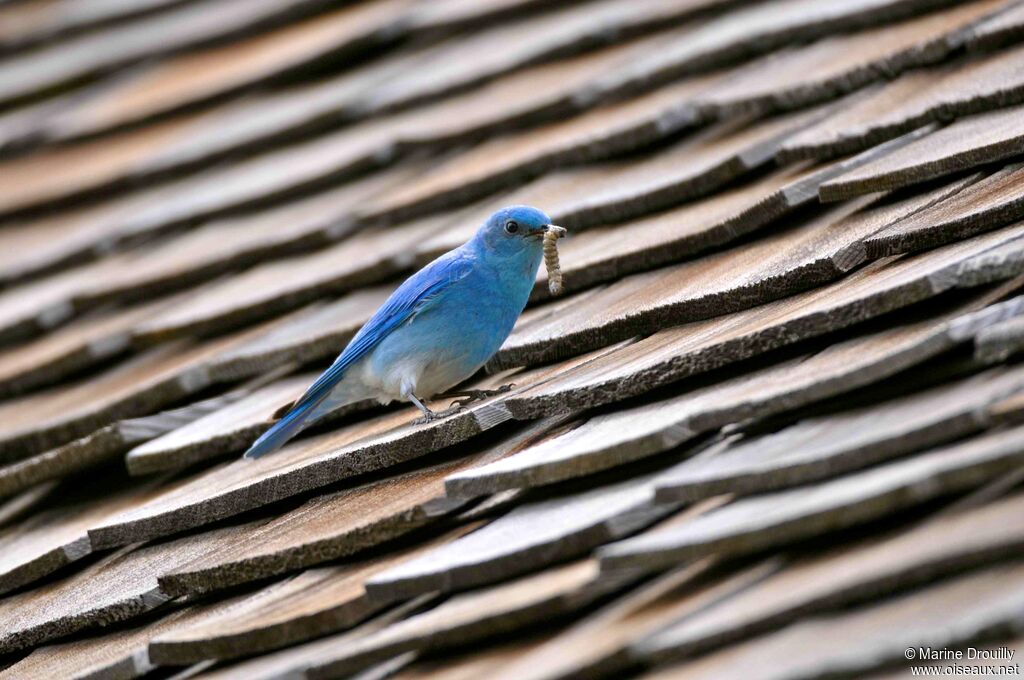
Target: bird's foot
(471,396)
(430,416)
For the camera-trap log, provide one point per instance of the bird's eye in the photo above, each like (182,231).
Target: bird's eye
(511,227)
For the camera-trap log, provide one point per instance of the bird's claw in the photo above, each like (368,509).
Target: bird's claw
(431,416)
(470,396)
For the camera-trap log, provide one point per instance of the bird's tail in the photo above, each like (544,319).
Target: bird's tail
(282,431)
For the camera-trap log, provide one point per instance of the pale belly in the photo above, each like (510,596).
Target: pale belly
(424,359)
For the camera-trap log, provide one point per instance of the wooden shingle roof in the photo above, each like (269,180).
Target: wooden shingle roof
(774,428)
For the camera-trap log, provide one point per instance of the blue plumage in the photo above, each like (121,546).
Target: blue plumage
(437,329)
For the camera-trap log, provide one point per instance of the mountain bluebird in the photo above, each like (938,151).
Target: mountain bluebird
(436,330)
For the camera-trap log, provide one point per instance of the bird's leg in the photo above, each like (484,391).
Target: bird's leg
(428,415)
(476,395)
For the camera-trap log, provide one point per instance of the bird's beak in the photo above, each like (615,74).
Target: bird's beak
(549,227)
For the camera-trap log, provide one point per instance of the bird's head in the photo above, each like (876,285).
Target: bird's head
(513,230)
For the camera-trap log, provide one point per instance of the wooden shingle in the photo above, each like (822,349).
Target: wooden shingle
(834,66)
(338,524)
(874,635)
(778,407)
(309,463)
(310,604)
(769,520)
(107,443)
(989,204)
(962,145)
(79,58)
(830,445)
(635,432)
(735,282)
(944,545)
(915,99)
(531,536)
(463,618)
(119,586)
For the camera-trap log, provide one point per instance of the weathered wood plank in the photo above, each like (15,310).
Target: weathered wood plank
(964,144)
(511,160)
(311,604)
(915,99)
(41,421)
(988,603)
(697,165)
(828,446)
(186,28)
(143,384)
(1000,341)
(21,505)
(105,444)
(735,36)
(1003,29)
(213,73)
(528,538)
(825,244)
(317,331)
(773,519)
(56,536)
(834,66)
(469,665)
(120,654)
(597,195)
(279,286)
(228,244)
(597,646)
(220,431)
(732,281)
(81,344)
(115,588)
(943,545)
(464,618)
(542,92)
(339,524)
(29,25)
(268,666)
(755,30)
(639,304)
(990,203)
(631,433)
(309,463)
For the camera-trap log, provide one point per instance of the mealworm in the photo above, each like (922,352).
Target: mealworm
(551,237)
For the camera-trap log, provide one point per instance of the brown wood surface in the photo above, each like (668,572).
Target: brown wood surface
(773,519)
(875,635)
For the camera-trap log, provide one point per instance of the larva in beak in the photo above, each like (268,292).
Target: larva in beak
(551,236)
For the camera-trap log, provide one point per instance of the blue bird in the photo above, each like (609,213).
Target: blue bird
(440,326)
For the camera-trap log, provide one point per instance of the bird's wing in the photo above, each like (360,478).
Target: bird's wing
(411,298)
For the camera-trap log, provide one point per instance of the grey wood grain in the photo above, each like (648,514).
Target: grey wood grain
(856,642)
(530,537)
(829,446)
(675,353)
(340,524)
(990,203)
(964,144)
(964,87)
(800,76)
(867,570)
(308,463)
(773,519)
(312,603)
(500,609)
